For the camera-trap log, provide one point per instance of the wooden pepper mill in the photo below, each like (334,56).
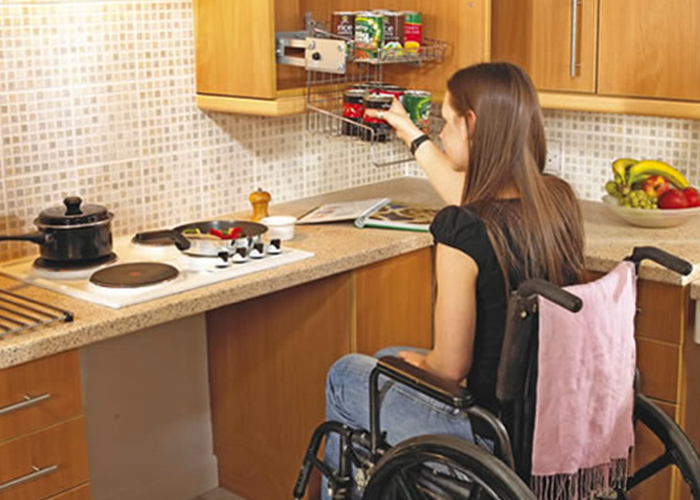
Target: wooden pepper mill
(260,200)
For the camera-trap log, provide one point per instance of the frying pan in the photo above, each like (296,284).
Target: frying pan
(203,247)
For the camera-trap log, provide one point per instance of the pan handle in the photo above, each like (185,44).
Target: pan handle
(181,242)
(38,238)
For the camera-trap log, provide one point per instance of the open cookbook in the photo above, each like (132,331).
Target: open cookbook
(378,212)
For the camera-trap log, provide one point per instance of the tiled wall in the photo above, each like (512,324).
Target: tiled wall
(97,98)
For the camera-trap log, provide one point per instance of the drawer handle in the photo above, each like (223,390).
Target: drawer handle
(28,401)
(37,473)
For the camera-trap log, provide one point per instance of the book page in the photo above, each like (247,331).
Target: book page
(342,211)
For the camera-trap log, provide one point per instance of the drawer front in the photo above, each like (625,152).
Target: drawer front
(658,365)
(45,463)
(39,394)
(79,493)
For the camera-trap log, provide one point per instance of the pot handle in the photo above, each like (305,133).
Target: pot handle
(38,238)
(181,242)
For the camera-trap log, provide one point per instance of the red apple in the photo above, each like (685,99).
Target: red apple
(692,196)
(673,198)
(656,185)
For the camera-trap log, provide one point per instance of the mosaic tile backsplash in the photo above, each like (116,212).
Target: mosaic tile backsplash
(97,99)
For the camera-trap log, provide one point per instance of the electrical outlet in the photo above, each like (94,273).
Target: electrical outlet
(554,162)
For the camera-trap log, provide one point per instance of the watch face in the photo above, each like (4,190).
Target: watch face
(417,142)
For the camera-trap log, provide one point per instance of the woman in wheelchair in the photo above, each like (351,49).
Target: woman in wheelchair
(508,222)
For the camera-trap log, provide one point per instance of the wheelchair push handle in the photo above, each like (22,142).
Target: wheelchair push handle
(551,292)
(667,260)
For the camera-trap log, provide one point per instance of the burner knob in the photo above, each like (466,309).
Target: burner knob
(225,261)
(258,251)
(241,255)
(275,247)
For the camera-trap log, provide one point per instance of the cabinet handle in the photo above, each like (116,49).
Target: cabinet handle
(37,473)
(574,36)
(28,401)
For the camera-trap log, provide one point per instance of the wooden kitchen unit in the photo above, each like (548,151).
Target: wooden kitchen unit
(43,451)
(268,359)
(235,49)
(616,56)
(669,364)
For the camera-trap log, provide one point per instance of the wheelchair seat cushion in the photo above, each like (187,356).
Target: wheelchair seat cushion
(585,398)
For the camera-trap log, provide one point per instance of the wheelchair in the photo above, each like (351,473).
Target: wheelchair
(439,467)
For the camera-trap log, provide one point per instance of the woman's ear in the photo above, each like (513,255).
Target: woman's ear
(471,123)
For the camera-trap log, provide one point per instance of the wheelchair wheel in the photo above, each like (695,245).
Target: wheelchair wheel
(441,467)
(679,451)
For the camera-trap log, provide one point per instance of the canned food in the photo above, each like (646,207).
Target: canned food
(381,127)
(394,23)
(343,25)
(417,104)
(353,109)
(391,90)
(413,32)
(369,35)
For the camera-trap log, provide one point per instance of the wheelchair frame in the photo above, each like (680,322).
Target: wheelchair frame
(679,451)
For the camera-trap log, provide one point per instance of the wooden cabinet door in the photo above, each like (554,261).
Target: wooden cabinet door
(394,303)
(542,37)
(268,359)
(650,48)
(235,48)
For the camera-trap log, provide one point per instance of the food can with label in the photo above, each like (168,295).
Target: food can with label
(369,35)
(394,23)
(391,90)
(381,127)
(353,109)
(343,25)
(417,104)
(413,33)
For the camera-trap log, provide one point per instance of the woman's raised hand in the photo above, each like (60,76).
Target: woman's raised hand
(399,120)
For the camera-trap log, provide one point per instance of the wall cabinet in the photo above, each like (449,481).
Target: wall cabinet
(235,48)
(622,56)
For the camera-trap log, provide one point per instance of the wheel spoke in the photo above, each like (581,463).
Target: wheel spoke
(408,489)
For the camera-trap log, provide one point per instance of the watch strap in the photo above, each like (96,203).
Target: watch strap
(415,143)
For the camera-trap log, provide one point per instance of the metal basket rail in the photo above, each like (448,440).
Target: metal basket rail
(18,314)
(331,69)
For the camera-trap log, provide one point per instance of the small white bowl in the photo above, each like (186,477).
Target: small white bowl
(280,226)
(651,218)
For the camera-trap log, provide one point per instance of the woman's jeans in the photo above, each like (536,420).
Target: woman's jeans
(405,413)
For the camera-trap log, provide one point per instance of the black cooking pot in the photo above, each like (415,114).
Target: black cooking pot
(72,233)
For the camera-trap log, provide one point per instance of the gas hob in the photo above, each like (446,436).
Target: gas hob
(192,272)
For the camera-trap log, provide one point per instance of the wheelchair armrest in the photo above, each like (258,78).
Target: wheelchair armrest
(450,393)
(550,292)
(661,257)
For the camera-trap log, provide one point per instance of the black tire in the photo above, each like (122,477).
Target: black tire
(682,452)
(422,461)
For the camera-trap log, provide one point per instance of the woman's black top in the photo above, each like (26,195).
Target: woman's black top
(463,229)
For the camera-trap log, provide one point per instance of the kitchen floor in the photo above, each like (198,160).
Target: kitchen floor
(218,494)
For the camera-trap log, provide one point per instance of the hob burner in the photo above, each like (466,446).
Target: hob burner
(51,265)
(134,275)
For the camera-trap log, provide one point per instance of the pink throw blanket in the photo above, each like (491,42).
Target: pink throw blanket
(585,398)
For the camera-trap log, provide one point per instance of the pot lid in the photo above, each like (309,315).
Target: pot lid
(72,213)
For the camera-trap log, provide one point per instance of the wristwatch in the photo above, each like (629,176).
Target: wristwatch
(415,143)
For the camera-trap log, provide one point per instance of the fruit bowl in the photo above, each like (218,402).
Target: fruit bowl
(651,218)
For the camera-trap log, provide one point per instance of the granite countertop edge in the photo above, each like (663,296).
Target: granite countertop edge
(339,248)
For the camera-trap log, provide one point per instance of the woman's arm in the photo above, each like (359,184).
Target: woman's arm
(442,173)
(455,316)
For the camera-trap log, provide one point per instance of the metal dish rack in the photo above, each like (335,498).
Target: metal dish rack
(19,313)
(330,70)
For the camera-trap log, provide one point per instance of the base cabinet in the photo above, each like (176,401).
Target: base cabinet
(268,359)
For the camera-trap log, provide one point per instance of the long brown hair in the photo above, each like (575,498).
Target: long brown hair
(544,236)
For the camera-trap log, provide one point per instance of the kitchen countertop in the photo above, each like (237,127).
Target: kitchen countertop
(337,248)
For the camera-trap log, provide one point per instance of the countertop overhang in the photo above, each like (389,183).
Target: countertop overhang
(338,248)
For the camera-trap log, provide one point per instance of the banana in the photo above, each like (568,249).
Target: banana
(646,168)
(620,168)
